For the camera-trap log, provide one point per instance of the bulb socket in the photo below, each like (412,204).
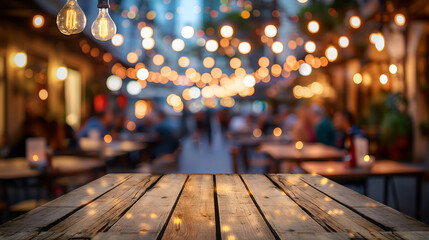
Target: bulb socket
(103,4)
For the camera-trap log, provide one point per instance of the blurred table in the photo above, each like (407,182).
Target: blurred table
(178,206)
(309,152)
(245,143)
(18,168)
(383,168)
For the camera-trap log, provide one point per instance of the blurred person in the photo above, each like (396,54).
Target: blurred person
(302,130)
(344,123)
(168,142)
(324,130)
(100,123)
(224,120)
(33,127)
(203,126)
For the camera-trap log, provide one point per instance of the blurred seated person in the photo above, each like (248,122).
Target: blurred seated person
(168,141)
(98,123)
(33,127)
(324,130)
(302,130)
(344,123)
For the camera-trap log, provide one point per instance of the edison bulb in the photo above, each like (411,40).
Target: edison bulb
(71,19)
(103,28)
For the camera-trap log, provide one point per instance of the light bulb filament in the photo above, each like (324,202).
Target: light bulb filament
(71,22)
(103,28)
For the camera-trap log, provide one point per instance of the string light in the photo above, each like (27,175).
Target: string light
(226,31)
(310,47)
(244,47)
(71,19)
(148,43)
(43,94)
(383,79)
(357,78)
(61,73)
(178,44)
(313,26)
(38,21)
(133,88)
(20,59)
(212,45)
(146,32)
(305,69)
(331,53)
(400,19)
(142,74)
(270,31)
(343,41)
(114,83)
(117,40)
(355,22)
(187,32)
(393,69)
(277,47)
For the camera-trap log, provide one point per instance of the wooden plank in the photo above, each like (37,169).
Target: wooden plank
(417,235)
(35,236)
(194,215)
(386,216)
(281,212)
(239,218)
(45,215)
(328,213)
(148,215)
(106,210)
(90,191)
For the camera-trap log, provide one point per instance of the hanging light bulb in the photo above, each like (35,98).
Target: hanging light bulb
(71,19)
(103,28)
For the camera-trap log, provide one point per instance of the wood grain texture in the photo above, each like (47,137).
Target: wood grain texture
(238,216)
(106,210)
(386,216)
(43,216)
(281,212)
(194,215)
(328,213)
(149,214)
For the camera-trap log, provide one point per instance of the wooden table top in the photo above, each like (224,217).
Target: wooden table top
(178,206)
(380,168)
(16,168)
(309,152)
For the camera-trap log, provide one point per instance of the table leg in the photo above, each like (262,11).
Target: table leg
(418,197)
(245,155)
(386,190)
(395,195)
(365,187)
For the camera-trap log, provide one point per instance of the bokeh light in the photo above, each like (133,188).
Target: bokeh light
(226,31)
(187,32)
(38,21)
(313,26)
(117,40)
(244,47)
(355,22)
(114,83)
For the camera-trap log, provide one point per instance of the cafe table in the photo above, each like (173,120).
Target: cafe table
(280,152)
(380,168)
(19,168)
(179,206)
